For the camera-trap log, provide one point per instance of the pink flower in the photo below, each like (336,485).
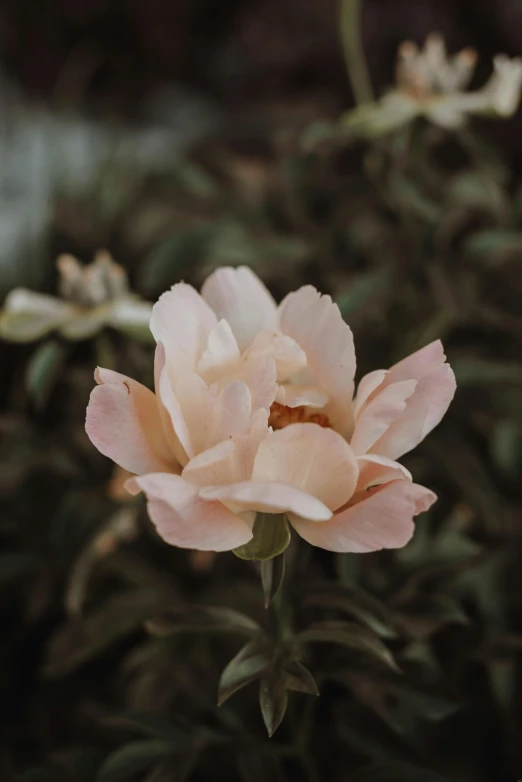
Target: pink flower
(255,412)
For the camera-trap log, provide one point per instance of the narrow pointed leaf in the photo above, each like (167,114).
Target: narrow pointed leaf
(202,619)
(299,679)
(245,667)
(350,635)
(273,699)
(133,758)
(272,575)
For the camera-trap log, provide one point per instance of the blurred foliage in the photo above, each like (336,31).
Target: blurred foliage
(115,648)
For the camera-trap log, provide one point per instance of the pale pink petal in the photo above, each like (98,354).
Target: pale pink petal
(182,321)
(259,374)
(301,396)
(175,427)
(124,423)
(377,415)
(211,416)
(422,362)
(367,385)
(229,461)
(316,460)
(315,323)
(383,520)
(375,470)
(221,352)
(183,519)
(239,296)
(288,356)
(268,498)
(424,410)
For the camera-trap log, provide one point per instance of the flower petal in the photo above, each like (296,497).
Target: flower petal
(239,296)
(424,410)
(375,470)
(383,520)
(299,396)
(268,498)
(124,423)
(367,385)
(417,365)
(28,315)
(210,416)
(288,356)
(317,460)
(379,413)
(183,519)
(315,323)
(221,351)
(182,321)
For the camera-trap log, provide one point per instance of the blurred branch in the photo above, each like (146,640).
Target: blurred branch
(352,41)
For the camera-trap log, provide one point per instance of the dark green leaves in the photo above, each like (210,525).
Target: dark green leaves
(244,668)
(273,699)
(271,538)
(348,634)
(202,619)
(43,370)
(133,758)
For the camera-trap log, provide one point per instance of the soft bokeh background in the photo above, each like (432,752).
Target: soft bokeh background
(171,133)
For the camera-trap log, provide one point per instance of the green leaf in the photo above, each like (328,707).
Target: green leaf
(271,537)
(82,639)
(273,699)
(355,602)
(202,619)
(272,575)
(149,723)
(298,678)
(244,668)
(133,758)
(174,257)
(350,635)
(43,370)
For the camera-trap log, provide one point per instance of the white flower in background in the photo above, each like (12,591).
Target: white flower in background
(431,84)
(91,297)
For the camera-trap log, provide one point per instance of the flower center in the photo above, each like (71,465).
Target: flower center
(281,416)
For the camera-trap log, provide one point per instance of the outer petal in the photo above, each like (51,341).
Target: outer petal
(183,519)
(379,413)
(315,323)
(419,364)
(367,385)
(316,460)
(268,498)
(383,520)
(124,423)
(239,296)
(424,410)
(28,315)
(182,321)
(375,470)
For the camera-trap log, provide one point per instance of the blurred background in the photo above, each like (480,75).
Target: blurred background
(181,136)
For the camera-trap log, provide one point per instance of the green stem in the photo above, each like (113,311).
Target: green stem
(351,36)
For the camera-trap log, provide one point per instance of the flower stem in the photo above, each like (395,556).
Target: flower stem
(351,37)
